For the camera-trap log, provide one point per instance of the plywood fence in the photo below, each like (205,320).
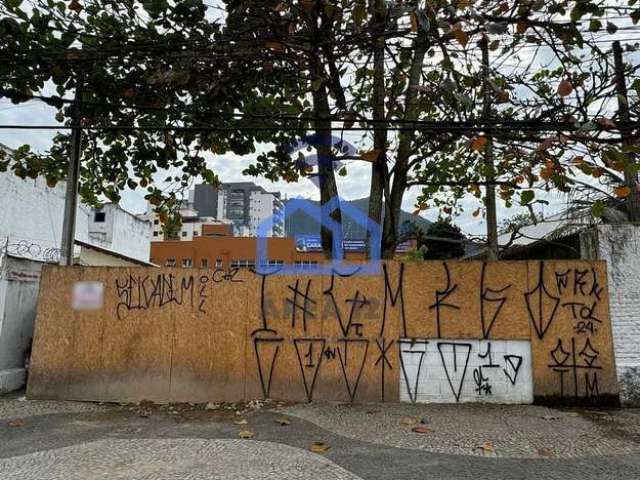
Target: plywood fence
(434,331)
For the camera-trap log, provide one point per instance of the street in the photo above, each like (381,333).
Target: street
(70,440)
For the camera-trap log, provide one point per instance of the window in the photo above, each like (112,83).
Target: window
(243,264)
(187,263)
(99,216)
(305,263)
(205,263)
(218,263)
(156,222)
(273,263)
(171,262)
(195,234)
(155,234)
(184,234)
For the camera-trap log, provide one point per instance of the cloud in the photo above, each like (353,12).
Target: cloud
(30,113)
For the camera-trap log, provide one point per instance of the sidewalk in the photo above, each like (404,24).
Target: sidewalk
(514,431)
(68,440)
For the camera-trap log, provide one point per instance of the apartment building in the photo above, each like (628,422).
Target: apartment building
(247,208)
(253,210)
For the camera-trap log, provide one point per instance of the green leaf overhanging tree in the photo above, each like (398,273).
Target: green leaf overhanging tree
(164,83)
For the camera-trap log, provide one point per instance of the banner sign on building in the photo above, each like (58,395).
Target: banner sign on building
(312,243)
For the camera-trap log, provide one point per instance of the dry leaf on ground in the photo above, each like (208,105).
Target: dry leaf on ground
(488,446)
(319,447)
(241,421)
(421,429)
(545,452)
(408,421)
(246,434)
(16,423)
(283,421)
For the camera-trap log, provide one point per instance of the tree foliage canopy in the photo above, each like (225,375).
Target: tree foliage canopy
(442,240)
(165,83)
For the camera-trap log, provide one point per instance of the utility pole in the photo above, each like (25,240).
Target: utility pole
(490,194)
(73,176)
(630,176)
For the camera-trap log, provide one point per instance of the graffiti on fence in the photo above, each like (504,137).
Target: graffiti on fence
(433,332)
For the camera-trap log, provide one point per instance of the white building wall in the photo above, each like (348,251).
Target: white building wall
(260,210)
(242,231)
(190,230)
(266,207)
(619,245)
(31,222)
(452,371)
(222,199)
(121,231)
(153,224)
(131,236)
(32,214)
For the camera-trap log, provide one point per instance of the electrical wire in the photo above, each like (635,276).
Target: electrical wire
(436,127)
(293,118)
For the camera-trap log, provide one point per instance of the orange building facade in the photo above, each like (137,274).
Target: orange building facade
(222,251)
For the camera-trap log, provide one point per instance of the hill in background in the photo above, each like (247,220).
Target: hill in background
(299,223)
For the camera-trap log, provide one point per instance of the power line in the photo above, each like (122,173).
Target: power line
(294,118)
(259,40)
(442,127)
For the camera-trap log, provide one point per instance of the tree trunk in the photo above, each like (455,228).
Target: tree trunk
(630,174)
(405,149)
(490,195)
(379,169)
(330,238)
(326,177)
